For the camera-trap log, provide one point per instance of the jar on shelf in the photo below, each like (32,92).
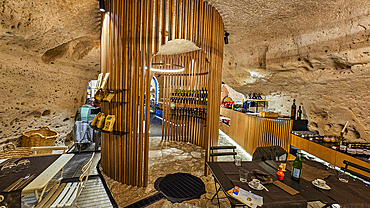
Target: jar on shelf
(327,138)
(351,149)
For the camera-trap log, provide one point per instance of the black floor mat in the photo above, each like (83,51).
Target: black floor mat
(147,201)
(74,167)
(176,188)
(180,187)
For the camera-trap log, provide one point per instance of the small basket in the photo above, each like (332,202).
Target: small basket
(43,136)
(11,151)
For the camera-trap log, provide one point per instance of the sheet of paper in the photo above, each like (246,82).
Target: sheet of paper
(246,197)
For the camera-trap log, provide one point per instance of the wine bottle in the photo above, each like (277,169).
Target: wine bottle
(293,110)
(297,167)
(299,113)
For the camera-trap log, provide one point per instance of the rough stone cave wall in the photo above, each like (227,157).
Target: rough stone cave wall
(325,66)
(49,50)
(317,52)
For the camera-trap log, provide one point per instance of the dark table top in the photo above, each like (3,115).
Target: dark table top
(37,166)
(353,193)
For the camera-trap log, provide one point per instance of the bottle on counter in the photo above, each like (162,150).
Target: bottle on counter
(299,113)
(254,96)
(293,110)
(297,167)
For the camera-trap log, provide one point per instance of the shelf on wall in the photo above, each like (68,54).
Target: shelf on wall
(118,133)
(104,101)
(117,90)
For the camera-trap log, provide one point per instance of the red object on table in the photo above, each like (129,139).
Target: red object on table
(280,174)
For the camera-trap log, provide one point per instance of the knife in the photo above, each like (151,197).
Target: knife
(22,184)
(7,189)
(18,183)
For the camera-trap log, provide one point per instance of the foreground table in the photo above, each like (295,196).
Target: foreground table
(44,178)
(227,175)
(354,193)
(42,168)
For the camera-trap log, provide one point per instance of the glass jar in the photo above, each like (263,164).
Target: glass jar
(343,146)
(333,139)
(367,149)
(359,149)
(351,149)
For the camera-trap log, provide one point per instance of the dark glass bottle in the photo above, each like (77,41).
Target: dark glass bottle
(293,110)
(254,96)
(297,168)
(299,113)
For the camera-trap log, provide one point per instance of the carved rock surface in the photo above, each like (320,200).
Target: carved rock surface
(49,50)
(316,52)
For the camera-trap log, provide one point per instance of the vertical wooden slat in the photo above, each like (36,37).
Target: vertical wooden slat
(164,21)
(171,13)
(141,92)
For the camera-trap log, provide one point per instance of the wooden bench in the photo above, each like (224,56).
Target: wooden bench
(358,167)
(66,194)
(54,149)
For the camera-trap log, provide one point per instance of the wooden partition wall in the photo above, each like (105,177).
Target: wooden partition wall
(132,32)
(251,132)
(185,101)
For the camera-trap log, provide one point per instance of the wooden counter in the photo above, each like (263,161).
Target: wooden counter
(251,132)
(325,153)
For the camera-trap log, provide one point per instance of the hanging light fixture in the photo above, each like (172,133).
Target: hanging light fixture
(102,5)
(172,48)
(161,66)
(226,38)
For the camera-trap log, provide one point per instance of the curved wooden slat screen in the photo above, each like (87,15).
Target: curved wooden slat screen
(132,31)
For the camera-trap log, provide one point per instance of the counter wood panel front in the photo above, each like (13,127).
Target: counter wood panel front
(251,132)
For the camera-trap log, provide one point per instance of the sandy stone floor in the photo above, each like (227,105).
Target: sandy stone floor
(167,157)
(172,157)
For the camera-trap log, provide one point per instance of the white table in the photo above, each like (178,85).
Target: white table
(44,178)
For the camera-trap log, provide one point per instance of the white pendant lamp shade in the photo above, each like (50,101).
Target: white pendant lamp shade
(160,61)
